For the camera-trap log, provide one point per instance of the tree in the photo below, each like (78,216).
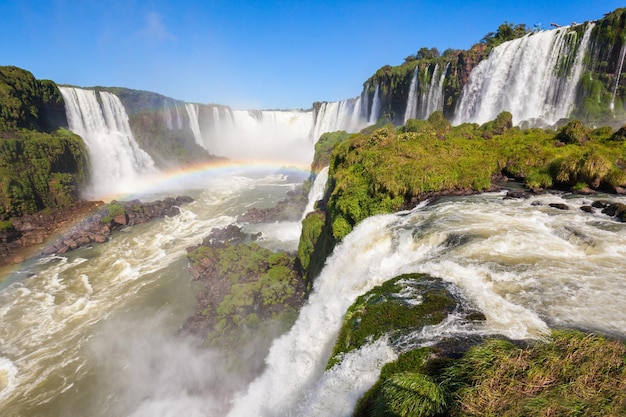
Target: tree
(425,53)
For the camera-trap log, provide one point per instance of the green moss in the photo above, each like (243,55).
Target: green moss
(116,209)
(255,285)
(384,310)
(6,225)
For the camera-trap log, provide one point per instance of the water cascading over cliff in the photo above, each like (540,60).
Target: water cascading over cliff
(425,97)
(533,77)
(101,120)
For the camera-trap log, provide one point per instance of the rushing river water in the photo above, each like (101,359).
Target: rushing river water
(93,333)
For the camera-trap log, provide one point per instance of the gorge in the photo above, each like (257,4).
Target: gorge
(97,331)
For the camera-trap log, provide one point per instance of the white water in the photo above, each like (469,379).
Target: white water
(338,115)
(317,191)
(523,265)
(194,124)
(375,114)
(618,74)
(92,333)
(522,76)
(411,102)
(434,100)
(116,159)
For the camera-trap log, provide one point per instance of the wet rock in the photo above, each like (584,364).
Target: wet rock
(517,194)
(588,209)
(617,210)
(559,206)
(600,204)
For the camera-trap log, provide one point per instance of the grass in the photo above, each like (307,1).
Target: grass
(572,374)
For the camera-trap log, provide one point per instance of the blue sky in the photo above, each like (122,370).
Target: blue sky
(251,54)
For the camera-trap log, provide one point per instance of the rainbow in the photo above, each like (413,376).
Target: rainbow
(193,176)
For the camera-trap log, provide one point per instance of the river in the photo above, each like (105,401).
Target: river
(94,332)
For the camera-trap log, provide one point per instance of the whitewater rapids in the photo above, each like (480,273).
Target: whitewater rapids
(92,333)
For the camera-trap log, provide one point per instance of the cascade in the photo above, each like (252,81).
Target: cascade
(618,74)
(374,115)
(338,115)
(434,100)
(533,77)
(520,285)
(365,106)
(411,104)
(317,191)
(194,123)
(117,162)
(167,116)
(179,118)
(216,118)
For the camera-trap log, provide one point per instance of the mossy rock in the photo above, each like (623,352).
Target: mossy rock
(400,306)
(575,132)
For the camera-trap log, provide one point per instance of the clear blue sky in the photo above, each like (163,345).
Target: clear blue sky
(251,54)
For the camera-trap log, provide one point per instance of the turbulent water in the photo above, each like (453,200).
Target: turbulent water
(94,333)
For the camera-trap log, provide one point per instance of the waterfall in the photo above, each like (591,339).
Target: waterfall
(411,102)
(618,74)
(194,123)
(338,115)
(434,100)
(365,106)
(374,115)
(520,285)
(533,77)
(263,134)
(317,191)
(117,162)
(167,116)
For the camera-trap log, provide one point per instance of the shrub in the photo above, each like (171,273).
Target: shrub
(574,132)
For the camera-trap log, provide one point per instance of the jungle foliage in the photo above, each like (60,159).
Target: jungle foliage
(42,165)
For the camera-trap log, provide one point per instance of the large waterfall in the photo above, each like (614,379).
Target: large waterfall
(116,159)
(533,77)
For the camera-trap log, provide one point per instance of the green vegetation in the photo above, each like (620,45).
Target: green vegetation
(391,168)
(28,103)
(603,98)
(41,165)
(571,374)
(40,170)
(381,172)
(324,146)
(247,285)
(506,32)
(384,310)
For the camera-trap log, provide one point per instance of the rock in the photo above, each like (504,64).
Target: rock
(588,209)
(121,219)
(559,206)
(600,204)
(616,210)
(516,194)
